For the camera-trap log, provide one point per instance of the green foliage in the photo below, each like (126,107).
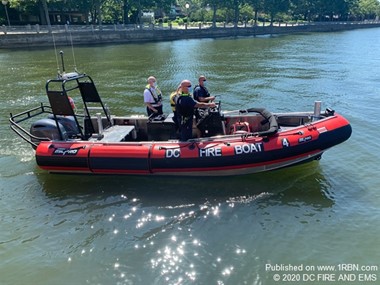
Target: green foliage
(368,9)
(200,11)
(180,21)
(246,12)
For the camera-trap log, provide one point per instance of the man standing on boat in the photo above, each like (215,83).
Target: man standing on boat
(173,101)
(185,110)
(201,94)
(153,97)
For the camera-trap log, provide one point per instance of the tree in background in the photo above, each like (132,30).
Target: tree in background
(215,5)
(304,9)
(257,5)
(28,7)
(130,11)
(368,9)
(274,7)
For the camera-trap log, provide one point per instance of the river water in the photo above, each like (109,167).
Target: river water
(255,229)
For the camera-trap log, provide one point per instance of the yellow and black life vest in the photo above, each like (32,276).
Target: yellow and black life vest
(157,99)
(173,100)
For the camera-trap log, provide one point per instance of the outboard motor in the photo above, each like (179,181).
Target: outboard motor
(68,123)
(47,128)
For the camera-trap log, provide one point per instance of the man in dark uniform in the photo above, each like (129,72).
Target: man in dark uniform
(201,93)
(185,110)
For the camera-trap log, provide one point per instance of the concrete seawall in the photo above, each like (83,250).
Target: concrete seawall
(86,37)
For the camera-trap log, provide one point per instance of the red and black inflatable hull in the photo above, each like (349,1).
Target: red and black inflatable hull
(226,155)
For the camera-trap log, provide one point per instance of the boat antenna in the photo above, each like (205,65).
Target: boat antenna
(56,55)
(72,48)
(62,61)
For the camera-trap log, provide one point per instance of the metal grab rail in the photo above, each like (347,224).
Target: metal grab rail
(14,121)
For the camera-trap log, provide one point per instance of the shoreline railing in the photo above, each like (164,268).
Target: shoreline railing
(37,29)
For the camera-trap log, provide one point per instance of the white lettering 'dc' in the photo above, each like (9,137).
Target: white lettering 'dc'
(169,153)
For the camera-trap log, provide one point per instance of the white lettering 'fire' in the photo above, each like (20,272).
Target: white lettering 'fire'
(212,151)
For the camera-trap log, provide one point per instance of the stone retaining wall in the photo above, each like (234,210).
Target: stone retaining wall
(44,39)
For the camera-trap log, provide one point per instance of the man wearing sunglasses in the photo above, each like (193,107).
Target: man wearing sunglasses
(201,93)
(185,109)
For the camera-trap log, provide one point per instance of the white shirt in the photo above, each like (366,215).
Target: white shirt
(148,97)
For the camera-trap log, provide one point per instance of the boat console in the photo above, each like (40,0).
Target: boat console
(210,121)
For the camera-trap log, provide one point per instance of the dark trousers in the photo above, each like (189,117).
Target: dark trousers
(176,119)
(186,128)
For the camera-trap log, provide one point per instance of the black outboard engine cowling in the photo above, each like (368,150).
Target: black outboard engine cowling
(47,128)
(68,123)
